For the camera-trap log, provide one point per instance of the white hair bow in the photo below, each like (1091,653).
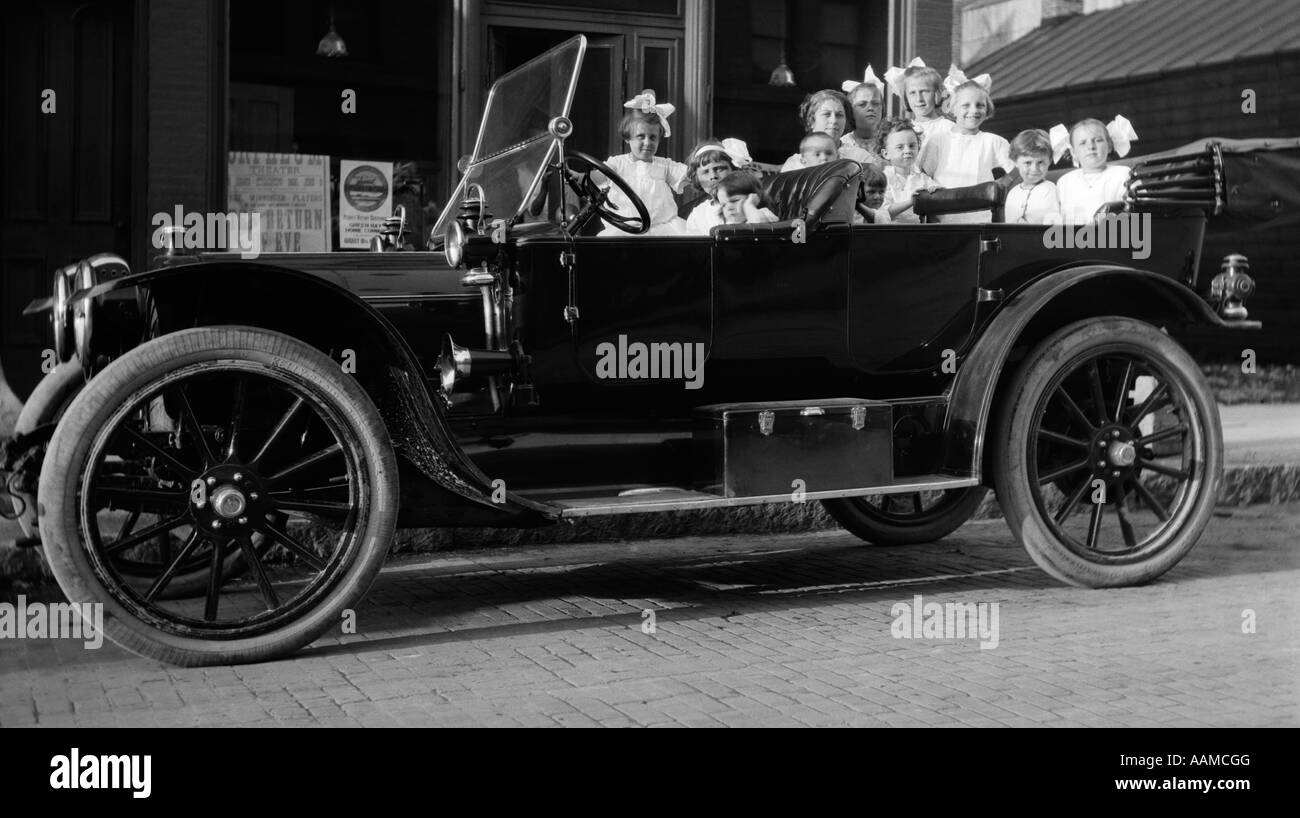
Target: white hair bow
(868,78)
(645,102)
(956,77)
(894,76)
(1119,129)
(1121,134)
(1060,139)
(738,151)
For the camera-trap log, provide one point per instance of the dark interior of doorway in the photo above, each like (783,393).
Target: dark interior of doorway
(599,85)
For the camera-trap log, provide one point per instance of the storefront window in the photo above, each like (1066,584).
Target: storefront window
(376,117)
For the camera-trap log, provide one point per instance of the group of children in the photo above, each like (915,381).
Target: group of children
(927,150)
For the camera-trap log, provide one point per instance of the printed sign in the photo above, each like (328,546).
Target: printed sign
(290,191)
(365,200)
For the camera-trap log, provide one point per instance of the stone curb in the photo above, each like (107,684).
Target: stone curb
(1243,484)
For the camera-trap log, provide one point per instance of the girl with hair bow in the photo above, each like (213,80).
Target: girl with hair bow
(653,178)
(966,154)
(711,161)
(923,93)
(1095,182)
(868,100)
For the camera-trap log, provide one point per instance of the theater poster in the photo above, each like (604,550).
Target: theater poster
(365,200)
(290,191)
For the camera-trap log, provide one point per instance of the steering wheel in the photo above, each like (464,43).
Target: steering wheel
(595,199)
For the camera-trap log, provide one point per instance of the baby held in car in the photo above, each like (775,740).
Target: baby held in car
(653,178)
(817,148)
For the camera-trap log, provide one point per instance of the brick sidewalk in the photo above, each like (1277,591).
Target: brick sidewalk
(785,630)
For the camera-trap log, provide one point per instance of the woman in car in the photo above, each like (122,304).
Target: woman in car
(828,111)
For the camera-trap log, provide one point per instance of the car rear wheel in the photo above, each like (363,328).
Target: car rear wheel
(1107,481)
(238,441)
(906,519)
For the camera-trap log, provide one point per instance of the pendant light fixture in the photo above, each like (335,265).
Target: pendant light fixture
(782,76)
(331,45)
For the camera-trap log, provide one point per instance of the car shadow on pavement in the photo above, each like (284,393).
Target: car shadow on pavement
(429,607)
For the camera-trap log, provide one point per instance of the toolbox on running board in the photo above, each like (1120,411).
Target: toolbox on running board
(763,449)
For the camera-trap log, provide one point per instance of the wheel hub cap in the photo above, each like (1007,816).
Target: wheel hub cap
(1121,453)
(229,502)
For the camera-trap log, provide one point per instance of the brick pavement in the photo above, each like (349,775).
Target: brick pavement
(785,630)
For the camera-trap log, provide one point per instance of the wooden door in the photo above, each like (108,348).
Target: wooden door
(66,186)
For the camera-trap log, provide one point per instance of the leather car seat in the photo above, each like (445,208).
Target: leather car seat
(803,199)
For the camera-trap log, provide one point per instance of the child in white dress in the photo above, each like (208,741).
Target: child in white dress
(1034,200)
(653,178)
(966,155)
(900,143)
(1094,183)
(922,91)
(711,162)
(868,101)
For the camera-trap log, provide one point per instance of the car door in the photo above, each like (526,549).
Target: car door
(654,291)
(912,293)
(779,306)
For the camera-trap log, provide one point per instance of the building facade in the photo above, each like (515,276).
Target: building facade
(135,106)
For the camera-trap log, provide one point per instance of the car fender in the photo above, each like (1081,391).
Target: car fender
(1133,292)
(319,312)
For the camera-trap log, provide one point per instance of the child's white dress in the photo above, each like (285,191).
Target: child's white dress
(900,187)
(1037,205)
(959,160)
(928,127)
(704,217)
(1083,191)
(867,146)
(654,182)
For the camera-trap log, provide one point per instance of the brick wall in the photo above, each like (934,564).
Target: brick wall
(934,34)
(1176,108)
(186,135)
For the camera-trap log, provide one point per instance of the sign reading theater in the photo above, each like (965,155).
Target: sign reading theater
(290,191)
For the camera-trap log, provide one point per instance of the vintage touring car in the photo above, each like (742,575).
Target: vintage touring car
(230,444)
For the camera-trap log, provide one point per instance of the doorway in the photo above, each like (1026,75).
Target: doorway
(67,192)
(617,66)
(598,100)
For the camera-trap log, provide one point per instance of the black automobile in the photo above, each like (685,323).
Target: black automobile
(230,445)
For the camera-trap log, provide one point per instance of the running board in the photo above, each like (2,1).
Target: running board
(644,500)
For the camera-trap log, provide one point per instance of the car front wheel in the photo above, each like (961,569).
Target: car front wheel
(231,441)
(1109,453)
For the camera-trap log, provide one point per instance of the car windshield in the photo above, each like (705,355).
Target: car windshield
(514,141)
